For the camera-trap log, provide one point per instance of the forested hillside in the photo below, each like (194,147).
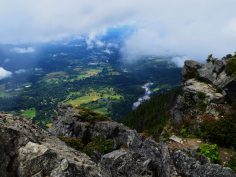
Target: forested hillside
(152,116)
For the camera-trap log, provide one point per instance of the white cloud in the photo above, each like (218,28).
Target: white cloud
(192,28)
(20,71)
(4,73)
(179,61)
(107,51)
(23,50)
(93,39)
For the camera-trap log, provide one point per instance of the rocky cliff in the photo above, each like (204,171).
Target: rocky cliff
(81,143)
(27,150)
(207,90)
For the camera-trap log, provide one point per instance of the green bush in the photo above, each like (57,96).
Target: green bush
(210,151)
(201,95)
(91,116)
(202,106)
(222,131)
(99,144)
(232,163)
(189,128)
(73,142)
(231,67)
(184,132)
(209,58)
(219,90)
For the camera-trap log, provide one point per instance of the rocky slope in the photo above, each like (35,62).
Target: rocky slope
(207,90)
(114,150)
(27,150)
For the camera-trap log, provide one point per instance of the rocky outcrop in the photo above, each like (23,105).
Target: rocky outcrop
(209,93)
(190,69)
(70,124)
(26,150)
(188,166)
(132,155)
(212,72)
(206,89)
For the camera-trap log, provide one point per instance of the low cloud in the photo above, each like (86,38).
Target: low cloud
(4,73)
(186,28)
(179,61)
(93,40)
(23,50)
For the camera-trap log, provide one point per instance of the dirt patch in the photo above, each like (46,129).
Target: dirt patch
(192,143)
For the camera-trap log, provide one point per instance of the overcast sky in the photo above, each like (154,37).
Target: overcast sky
(190,28)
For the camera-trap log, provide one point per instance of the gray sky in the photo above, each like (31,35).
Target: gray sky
(188,28)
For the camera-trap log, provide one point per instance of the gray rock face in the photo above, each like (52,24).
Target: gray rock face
(206,87)
(212,72)
(124,163)
(195,87)
(209,71)
(26,150)
(189,167)
(69,124)
(190,69)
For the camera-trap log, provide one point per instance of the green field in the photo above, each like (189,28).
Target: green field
(155,89)
(29,113)
(101,110)
(86,73)
(95,100)
(83,100)
(55,77)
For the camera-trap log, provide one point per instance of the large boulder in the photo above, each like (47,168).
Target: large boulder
(190,69)
(195,87)
(124,163)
